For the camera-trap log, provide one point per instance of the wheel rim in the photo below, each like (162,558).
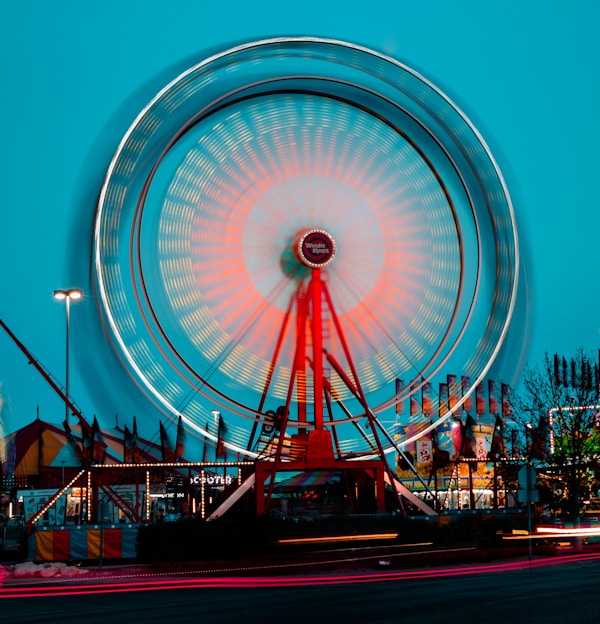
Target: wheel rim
(194,230)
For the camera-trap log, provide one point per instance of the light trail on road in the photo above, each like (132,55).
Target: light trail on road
(294,581)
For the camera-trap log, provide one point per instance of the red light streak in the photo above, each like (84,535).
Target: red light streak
(339,538)
(293,581)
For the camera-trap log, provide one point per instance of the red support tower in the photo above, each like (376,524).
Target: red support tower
(312,447)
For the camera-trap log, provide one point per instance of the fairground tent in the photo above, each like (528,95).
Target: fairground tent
(41,454)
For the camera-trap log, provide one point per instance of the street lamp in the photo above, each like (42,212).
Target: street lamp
(71,294)
(529,439)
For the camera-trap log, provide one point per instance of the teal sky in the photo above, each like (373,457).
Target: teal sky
(75,75)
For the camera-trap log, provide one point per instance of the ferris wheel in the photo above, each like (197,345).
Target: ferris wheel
(292,226)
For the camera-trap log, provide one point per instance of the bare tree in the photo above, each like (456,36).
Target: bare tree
(560,408)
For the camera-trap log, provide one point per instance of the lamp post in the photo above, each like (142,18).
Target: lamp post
(71,294)
(529,439)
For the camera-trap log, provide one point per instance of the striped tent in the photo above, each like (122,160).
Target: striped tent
(41,450)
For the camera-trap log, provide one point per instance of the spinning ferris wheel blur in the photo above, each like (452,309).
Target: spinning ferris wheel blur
(302,141)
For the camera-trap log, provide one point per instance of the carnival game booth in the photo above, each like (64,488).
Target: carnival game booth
(463,463)
(52,483)
(83,493)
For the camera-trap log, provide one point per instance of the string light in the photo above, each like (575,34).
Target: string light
(202,498)
(89,490)
(574,408)
(148,495)
(176,465)
(53,499)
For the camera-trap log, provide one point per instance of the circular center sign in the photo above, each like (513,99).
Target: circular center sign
(314,247)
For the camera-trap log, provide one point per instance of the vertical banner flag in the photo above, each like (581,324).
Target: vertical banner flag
(452,391)
(469,404)
(87,441)
(168,454)
(221,450)
(98,444)
(480,399)
(415,408)
(444,400)
(498,444)
(493,399)
(127,445)
(71,441)
(135,448)
(506,404)
(426,399)
(180,440)
(399,403)
(205,448)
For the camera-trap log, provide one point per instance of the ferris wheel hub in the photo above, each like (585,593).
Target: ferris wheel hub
(314,247)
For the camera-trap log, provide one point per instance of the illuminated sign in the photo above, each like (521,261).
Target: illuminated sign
(314,247)
(211,480)
(168,495)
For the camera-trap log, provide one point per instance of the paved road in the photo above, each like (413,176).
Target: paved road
(562,593)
